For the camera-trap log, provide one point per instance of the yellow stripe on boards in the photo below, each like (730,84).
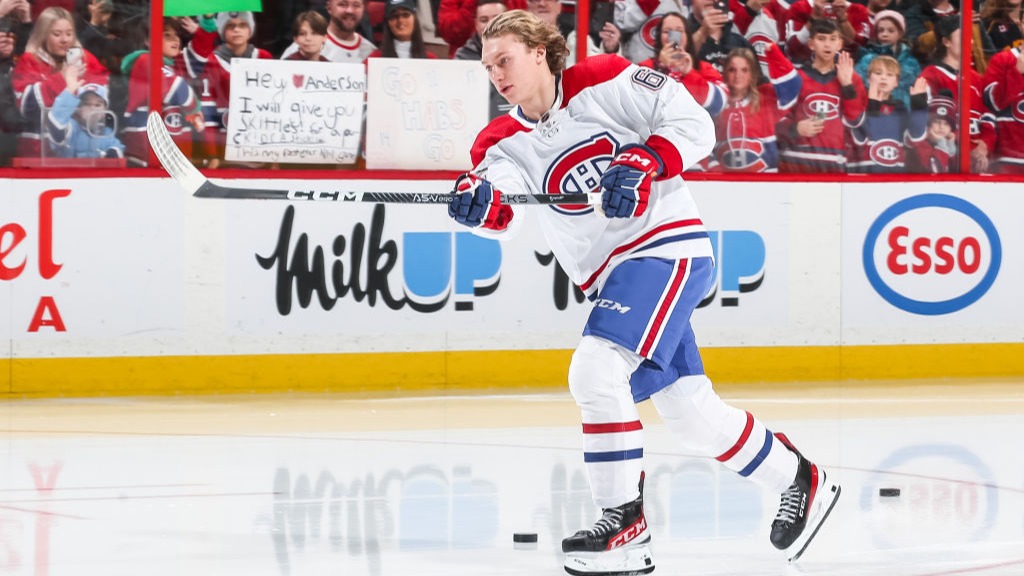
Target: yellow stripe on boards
(435,372)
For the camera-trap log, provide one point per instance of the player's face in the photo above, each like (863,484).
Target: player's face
(738,75)
(60,38)
(887,32)
(172,44)
(310,43)
(515,70)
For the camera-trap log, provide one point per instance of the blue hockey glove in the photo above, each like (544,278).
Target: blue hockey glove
(626,185)
(475,203)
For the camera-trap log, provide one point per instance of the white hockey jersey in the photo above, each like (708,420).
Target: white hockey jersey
(602,104)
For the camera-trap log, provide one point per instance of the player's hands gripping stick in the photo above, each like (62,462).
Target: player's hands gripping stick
(626,185)
(475,203)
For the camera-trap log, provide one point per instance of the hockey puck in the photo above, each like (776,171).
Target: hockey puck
(525,537)
(888,492)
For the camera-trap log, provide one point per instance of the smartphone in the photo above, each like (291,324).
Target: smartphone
(819,115)
(74,55)
(722,6)
(675,37)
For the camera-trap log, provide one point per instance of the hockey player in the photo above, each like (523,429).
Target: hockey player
(831,100)
(624,132)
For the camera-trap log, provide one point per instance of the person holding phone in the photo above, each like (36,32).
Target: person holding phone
(852,21)
(832,101)
(712,32)
(40,74)
(675,57)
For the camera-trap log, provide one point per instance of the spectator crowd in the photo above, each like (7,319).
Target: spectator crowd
(801,86)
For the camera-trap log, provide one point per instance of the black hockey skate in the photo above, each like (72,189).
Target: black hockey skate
(804,506)
(617,545)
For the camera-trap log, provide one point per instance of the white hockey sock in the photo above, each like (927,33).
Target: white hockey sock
(705,424)
(612,432)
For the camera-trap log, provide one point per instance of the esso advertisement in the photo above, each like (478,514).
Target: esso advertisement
(930,265)
(932,254)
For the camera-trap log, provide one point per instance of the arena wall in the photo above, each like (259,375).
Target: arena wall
(130,286)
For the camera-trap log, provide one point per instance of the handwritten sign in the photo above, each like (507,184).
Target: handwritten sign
(424,114)
(295,111)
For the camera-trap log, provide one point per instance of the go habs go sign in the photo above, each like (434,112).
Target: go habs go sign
(932,254)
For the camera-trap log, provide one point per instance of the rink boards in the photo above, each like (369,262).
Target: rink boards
(128,286)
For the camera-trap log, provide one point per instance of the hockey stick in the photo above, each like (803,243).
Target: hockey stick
(192,180)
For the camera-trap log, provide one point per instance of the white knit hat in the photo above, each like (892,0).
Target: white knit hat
(224,17)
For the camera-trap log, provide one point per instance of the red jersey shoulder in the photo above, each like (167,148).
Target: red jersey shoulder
(591,71)
(497,130)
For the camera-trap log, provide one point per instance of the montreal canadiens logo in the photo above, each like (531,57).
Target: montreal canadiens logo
(174,120)
(886,153)
(822,104)
(579,170)
(1018,111)
(932,254)
(647,32)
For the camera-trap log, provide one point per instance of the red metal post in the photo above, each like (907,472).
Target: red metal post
(156,62)
(582,28)
(966,72)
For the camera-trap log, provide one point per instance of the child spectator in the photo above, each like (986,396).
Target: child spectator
(76,126)
(887,40)
(403,37)
(889,128)
(455,21)
(853,24)
(935,154)
(39,76)
(944,74)
(746,128)
(676,59)
(1004,93)
(210,69)
(832,99)
(181,111)
(344,42)
(309,33)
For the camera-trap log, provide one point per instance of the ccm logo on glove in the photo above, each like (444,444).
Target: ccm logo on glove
(475,203)
(626,185)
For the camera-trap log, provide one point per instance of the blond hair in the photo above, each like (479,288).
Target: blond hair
(44,23)
(747,55)
(531,31)
(885,63)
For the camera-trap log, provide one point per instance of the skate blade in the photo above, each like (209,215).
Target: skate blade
(626,561)
(829,496)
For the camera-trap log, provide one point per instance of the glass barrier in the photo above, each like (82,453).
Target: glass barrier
(812,86)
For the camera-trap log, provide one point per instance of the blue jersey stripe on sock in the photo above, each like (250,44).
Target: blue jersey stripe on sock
(760,455)
(614,456)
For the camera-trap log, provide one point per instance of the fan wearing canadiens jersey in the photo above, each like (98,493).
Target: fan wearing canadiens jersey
(832,99)
(625,134)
